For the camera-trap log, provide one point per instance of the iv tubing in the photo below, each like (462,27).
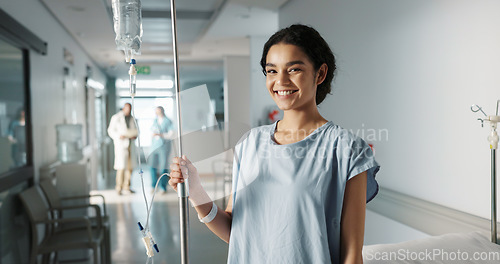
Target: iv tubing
(183,188)
(145,231)
(149,206)
(139,154)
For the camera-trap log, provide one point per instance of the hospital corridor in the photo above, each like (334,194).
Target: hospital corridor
(249,131)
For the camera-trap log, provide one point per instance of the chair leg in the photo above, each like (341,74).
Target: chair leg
(102,251)
(107,242)
(33,257)
(46,258)
(94,248)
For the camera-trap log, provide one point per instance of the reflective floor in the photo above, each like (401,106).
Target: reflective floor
(126,239)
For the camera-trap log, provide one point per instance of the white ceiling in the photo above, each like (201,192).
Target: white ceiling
(207,30)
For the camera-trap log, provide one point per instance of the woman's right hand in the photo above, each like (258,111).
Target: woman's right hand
(181,169)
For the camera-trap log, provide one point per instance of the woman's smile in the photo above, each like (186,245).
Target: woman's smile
(283,94)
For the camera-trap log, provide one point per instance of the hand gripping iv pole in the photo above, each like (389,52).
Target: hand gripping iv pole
(182,188)
(493,140)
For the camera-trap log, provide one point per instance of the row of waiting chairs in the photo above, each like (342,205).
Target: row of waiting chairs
(44,208)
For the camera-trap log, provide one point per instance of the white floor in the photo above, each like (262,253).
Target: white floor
(205,247)
(126,239)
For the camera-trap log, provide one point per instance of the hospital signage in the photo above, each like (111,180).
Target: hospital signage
(144,70)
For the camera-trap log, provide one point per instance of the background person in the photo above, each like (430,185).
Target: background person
(162,130)
(17,136)
(123,131)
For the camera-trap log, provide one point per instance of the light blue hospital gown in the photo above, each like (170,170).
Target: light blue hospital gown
(287,199)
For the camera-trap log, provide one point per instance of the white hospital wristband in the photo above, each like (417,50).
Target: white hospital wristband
(210,216)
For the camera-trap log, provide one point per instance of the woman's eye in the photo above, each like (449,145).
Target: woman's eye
(270,71)
(295,70)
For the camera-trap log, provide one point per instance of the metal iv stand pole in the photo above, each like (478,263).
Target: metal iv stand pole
(493,197)
(493,140)
(182,188)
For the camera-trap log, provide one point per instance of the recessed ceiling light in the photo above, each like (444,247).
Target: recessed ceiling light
(148,84)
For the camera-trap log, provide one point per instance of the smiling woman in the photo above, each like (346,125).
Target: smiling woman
(301,184)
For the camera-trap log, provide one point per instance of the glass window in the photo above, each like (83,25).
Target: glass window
(12,108)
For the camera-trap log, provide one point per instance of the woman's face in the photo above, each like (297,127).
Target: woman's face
(291,78)
(159,112)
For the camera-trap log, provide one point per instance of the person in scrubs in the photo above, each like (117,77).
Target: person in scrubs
(301,184)
(17,136)
(162,130)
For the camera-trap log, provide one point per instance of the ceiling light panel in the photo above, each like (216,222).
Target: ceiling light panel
(200,5)
(159,30)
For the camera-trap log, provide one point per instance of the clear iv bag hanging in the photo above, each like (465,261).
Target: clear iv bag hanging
(127,20)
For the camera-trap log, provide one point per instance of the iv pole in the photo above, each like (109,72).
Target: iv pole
(493,140)
(183,188)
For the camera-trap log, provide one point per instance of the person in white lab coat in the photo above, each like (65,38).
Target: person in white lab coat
(123,131)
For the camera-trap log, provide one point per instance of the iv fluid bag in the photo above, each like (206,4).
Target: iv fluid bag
(127,21)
